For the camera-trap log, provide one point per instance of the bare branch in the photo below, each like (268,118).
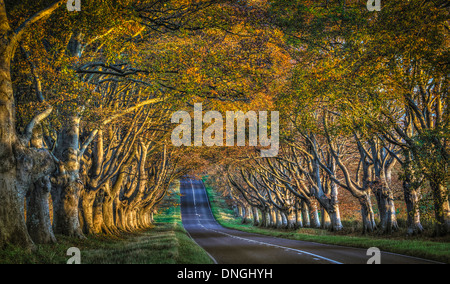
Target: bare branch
(35,121)
(122,113)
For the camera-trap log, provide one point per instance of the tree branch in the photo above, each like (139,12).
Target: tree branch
(36,17)
(35,121)
(128,110)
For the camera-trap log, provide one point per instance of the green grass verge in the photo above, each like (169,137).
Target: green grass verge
(166,243)
(419,246)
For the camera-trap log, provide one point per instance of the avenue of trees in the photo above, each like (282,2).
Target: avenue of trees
(366,104)
(86,100)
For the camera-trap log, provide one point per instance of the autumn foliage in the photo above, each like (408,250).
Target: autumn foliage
(362,97)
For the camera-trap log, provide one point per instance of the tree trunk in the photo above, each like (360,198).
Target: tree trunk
(298,218)
(39,224)
(367,215)
(67,185)
(255,216)
(336,224)
(133,219)
(291,220)
(12,220)
(412,197)
(20,166)
(130,219)
(326,220)
(278,218)
(315,220)
(284,220)
(240,212)
(305,215)
(119,221)
(264,219)
(268,218)
(441,208)
(87,214)
(386,206)
(108,216)
(98,211)
(151,216)
(331,216)
(273,217)
(144,217)
(335,215)
(65,210)
(248,213)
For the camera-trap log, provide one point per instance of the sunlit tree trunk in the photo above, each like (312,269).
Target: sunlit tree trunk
(98,211)
(305,215)
(112,219)
(120,216)
(248,213)
(108,215)
(133,219)
(314,213)
(87,215)
(67,185)
(335,215)
(298,218)
(326,220)
(276,218)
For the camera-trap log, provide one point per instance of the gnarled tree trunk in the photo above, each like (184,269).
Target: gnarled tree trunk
(20,166)
(67,185)
(38,213)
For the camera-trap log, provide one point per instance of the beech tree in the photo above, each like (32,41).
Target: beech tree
(21,166)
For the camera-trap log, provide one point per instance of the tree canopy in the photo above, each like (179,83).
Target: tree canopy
(87,99)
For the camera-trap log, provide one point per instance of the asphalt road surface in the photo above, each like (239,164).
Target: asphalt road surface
(227,246)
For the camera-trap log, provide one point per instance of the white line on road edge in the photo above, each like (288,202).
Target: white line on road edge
(254,241)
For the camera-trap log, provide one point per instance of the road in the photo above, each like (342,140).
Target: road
(227,246)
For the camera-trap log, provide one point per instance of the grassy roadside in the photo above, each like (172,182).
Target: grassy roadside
(422,246)
(166,243)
